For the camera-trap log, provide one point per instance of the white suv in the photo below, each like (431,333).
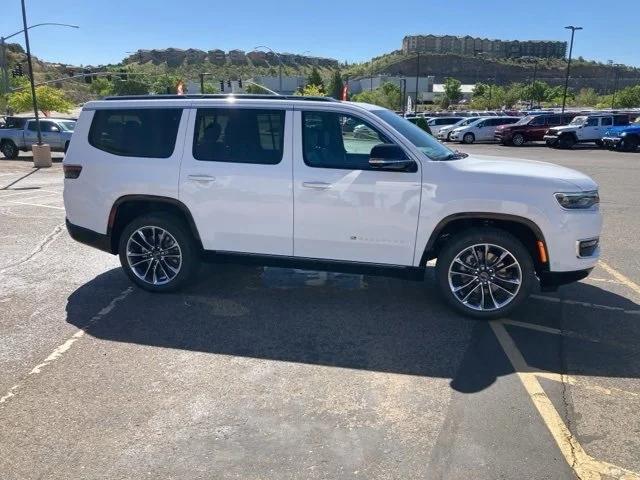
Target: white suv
(167,181)
(481,130)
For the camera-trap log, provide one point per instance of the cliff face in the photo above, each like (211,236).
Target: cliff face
(175,57)
(472,70)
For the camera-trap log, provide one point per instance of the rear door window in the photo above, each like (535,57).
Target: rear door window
(606,121)
(239,135)
(143,132)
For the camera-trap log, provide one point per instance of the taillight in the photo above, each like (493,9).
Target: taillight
(72,171)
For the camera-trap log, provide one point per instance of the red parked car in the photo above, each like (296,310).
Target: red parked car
(530,128)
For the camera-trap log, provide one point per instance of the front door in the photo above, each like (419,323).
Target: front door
(590,130)
(236,178)
(343,208)
(49,130)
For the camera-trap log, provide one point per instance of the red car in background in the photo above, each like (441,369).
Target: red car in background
(531,128)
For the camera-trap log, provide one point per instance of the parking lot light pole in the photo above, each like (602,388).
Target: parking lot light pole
(566,80)
(279,65)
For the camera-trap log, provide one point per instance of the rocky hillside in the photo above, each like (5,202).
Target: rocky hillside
(471,70)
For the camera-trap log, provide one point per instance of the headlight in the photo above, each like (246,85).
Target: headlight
(579,200)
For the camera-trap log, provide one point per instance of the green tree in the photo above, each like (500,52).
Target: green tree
(387,96)
(452,90)
(586,97)
(49,100)
(311,91)
(211,88)
(537,92)
(256,89)
(164,84)
(131,86)
(101,87)
(335,85)
(314,78)
(479,90)
(628,97)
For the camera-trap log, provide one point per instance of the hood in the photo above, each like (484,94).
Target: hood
(526,171)
(621,129)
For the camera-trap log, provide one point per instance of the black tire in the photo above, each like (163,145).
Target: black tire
(448,137)
(9,150)
(499,239)
(599,143)
(518,140)
(468,138)
(188,250)
(629,144)
(566,141)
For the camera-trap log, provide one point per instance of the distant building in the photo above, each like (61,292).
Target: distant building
(237,56)
(217,56)
(468,45)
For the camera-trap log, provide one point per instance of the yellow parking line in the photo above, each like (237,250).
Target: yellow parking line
(571,380)
(585,467)
(620,277)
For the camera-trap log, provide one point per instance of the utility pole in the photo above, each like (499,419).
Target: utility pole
(566,81)
(533,82)
(417,81)
(31,79)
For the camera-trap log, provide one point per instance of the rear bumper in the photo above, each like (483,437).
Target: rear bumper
(89,237)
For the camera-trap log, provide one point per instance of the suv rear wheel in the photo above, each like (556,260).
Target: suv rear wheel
(157,252)
(484,273)
(468,138)
(566,141)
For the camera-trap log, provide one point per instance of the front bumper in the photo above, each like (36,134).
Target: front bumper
(89,237)
(550,281)
(611,142)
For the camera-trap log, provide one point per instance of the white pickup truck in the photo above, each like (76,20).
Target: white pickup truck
(584,129)
(20,133)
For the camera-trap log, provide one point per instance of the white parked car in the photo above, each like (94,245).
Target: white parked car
(437,123)
(444,133)
(584,129)
(481,130)
(166,182)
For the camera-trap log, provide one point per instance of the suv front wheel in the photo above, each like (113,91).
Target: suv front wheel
(157,252)
(484,273)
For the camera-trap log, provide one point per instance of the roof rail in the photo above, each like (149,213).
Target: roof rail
(247,96)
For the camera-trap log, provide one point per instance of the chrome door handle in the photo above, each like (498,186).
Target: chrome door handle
(317,185)
(202,178)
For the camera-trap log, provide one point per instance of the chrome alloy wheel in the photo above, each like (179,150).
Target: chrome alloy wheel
(154,255)
(485,277)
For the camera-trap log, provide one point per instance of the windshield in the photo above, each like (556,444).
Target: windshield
(465,121)
(420,139)
(578,120)
(525,120)
(67,126)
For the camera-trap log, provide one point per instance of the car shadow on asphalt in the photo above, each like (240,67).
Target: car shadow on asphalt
(361,322)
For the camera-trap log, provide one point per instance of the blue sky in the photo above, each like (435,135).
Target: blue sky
(346,30)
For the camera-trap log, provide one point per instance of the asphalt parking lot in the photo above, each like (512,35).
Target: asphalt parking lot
(265,373)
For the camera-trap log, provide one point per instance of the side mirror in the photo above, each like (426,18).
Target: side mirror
(392,158)
(55,129)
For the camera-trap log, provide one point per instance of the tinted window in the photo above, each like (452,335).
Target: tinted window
(592,122)
(554,120)
(606,121)
(239,135)
(538,121)
(328,144)
(45,126)
(620,120)
(149,132)
(506,121)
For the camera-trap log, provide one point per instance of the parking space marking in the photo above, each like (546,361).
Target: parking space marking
(39,248)
(25,191)
(37,197)
(582,383)
(585,304)
(60,350)
(585,466)
(620,277)
(35,205)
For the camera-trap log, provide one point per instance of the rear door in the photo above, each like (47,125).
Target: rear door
(236,177)
(539,125)
(590,130)
(344,209)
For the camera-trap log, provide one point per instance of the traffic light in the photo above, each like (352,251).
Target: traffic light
(229,83)
(222,85)
(239,83)
(17,71)
(88,78)
(123,75)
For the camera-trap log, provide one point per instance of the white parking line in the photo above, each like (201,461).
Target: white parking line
(60,350)
(585,304)
(26,191)
(620,277)
(35,205)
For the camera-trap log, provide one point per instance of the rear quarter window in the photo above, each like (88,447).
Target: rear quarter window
(148,132)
